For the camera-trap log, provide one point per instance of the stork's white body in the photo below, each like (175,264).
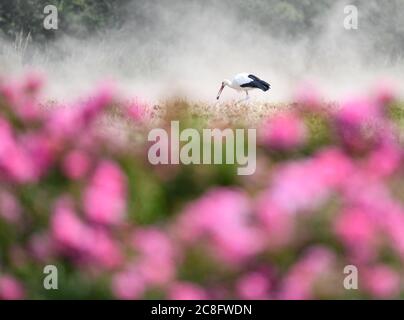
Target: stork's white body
(239,80)
(244,82)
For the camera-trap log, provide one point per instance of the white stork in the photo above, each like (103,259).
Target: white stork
(244,82)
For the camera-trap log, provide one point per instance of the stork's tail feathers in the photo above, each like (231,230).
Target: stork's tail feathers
(258,83)
(266,86)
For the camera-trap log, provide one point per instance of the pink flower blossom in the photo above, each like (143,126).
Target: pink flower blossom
(104,249)
(76,164)
(67,228)
(298,186)
(42,151)
(103,97)
(279,225)
(382,282)
(186,291)
(361,124)
(157,257)
(137,111)
(14,159)
(300,281)
(223,217)
(384,160)
(356,111)
(358,231)
(284,131)
(254,286)
(128,285)
(10,209)
(11,288)
(333,167)
(41,247)
(65,122)
(105,197)
(150,241)
(364,190)
(23,95)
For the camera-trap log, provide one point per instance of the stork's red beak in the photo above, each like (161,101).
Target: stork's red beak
(220,92)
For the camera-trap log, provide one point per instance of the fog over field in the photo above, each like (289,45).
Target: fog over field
(164,48)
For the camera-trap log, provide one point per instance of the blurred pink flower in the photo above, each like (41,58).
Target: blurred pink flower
(103,96)
(105,196)
(361,124)
(150,241)
(156,271)
(356,111)
(19,165)
(298,186)
(128,285)
(280,225)
(137,111)
(333,167)
(76,164)
(157,257)
(10,288)
(10,209)
(358,232)
(223,216)
(74,237)
(364,190)
(23,95)
(14,159)
(67,229)
(104,249)
(253,286)
(304,185)
(64,122)
(284,131)
(29,111)
(42,151)
(41,247)
(186,291)
(384,160)
(300,281)
(382,282)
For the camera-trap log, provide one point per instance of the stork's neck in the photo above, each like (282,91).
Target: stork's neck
(227,82)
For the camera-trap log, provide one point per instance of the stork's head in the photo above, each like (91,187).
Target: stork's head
(224,83)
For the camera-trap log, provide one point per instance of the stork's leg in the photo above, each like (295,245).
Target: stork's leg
(247,97)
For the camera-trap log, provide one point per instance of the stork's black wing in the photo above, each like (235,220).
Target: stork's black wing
(257,83)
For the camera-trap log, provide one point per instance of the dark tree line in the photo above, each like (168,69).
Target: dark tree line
(76,17)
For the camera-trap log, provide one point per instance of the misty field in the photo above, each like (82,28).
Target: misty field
(78,193)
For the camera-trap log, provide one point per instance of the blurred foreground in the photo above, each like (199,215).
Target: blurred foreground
(77,192)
